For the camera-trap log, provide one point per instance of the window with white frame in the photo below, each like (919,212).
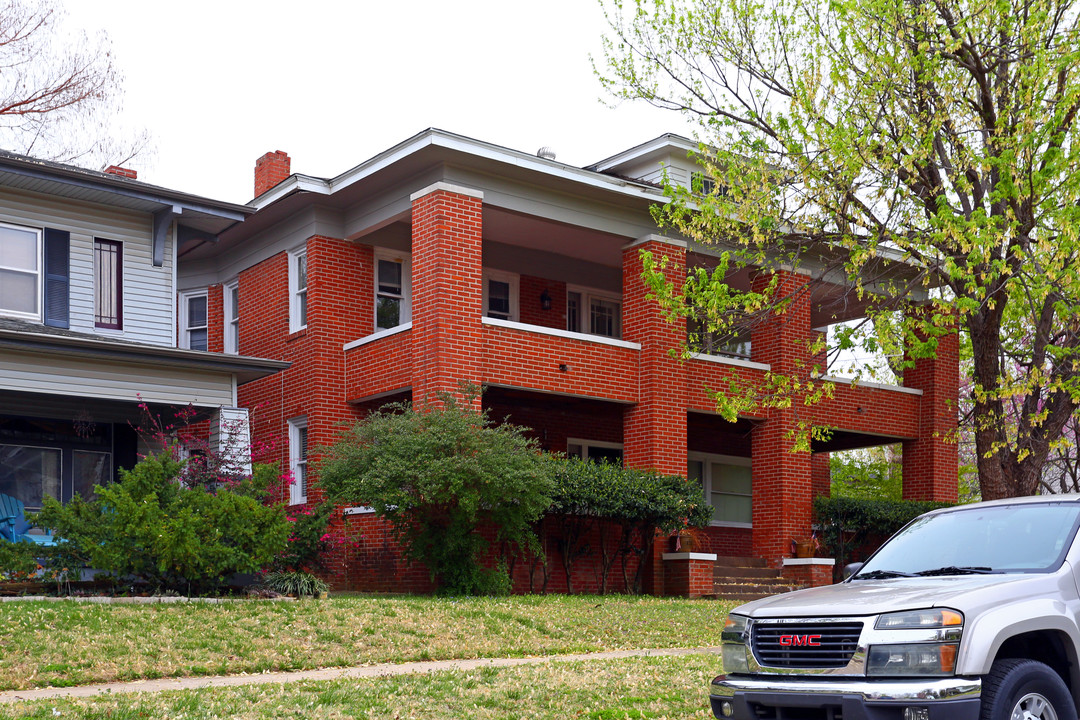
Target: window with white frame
(726,483)
(231,293)
(298,453)
(595,450)
(393,306)
(501,295)
(732,344)
(20,271)
(298,300)
(593,312)
(194,333)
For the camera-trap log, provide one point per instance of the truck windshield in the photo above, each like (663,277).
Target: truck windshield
(1004,538)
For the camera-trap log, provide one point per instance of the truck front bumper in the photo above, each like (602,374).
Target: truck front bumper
(752,698)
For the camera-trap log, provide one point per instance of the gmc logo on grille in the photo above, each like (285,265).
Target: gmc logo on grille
(800,640)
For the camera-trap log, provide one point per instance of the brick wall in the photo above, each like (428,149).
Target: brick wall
(655,426)
(930,461)
(447,292)
(530,289)
(271,169)
(781,477)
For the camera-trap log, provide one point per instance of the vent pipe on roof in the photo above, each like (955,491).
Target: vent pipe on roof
(546,153)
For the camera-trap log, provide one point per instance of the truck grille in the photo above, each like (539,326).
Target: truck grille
(805,645)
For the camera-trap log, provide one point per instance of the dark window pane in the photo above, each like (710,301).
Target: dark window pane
(387,313)
(108,283)
(197,339)
(499,299)
(197,311)
(30,473)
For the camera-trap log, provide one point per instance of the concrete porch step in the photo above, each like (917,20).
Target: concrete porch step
(739,561)
(726,571)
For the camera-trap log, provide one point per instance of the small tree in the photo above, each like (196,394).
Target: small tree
(60,93)
(439,475)
(638,502)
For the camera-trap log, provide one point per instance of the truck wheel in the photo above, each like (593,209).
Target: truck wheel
(1025,690)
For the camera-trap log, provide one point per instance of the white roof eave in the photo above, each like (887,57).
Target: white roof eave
(468,146)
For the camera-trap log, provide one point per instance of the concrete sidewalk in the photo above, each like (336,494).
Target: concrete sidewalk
(361,671)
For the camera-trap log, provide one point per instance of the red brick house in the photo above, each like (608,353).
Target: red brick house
(445,259)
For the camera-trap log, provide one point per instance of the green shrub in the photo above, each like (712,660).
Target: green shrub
(293,582)
(438,475)
(638,502)
(148,526)
(850,525)
(18,560)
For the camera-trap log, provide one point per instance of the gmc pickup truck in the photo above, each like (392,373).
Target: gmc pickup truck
(968,612)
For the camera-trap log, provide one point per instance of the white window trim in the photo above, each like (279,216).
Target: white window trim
(231,317)
(296,424)
(185,334)
(511,279)
(586,444)
(294,291)
(706,479)
(405,259)
(39,294)
(588,294)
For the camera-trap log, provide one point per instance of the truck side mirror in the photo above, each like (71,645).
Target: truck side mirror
(852,568)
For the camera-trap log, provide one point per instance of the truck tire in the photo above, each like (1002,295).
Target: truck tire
(1018,689)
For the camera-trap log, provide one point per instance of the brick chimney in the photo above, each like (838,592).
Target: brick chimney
(122,172)
(271,169)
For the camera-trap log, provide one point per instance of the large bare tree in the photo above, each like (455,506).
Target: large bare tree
(938,132)
(60,92)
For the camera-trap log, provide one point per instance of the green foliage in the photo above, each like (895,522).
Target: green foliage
(639,502)
(293,582)
(848,525)
(925,155)
(149,526)
(866,475)
(438,475)
(18,560)
(307,538)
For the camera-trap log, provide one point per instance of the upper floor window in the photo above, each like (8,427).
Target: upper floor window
(20,271)
(594,312)
(298,283)
(108,284)
(231,293)
(393,304)
(701,340)
(193,320)
(500,295)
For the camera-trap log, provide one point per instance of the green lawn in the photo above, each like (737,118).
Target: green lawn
(51,643)
(632,688)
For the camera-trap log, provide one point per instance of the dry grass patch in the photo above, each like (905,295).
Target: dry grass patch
(633,688)
(64,644)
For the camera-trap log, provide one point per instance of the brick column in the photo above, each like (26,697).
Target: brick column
(447,298)
(782,479)
(654,429)
(930,464)
(820,474)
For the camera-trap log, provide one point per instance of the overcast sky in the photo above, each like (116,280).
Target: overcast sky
(333,83)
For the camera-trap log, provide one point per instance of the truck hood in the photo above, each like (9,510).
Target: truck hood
(873,597)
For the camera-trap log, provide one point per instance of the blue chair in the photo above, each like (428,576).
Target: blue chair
(13,524)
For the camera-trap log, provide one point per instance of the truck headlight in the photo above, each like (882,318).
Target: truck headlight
(733,644)
(920,619)
(924,659)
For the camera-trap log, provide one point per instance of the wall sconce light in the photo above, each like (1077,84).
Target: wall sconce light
(545,300)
